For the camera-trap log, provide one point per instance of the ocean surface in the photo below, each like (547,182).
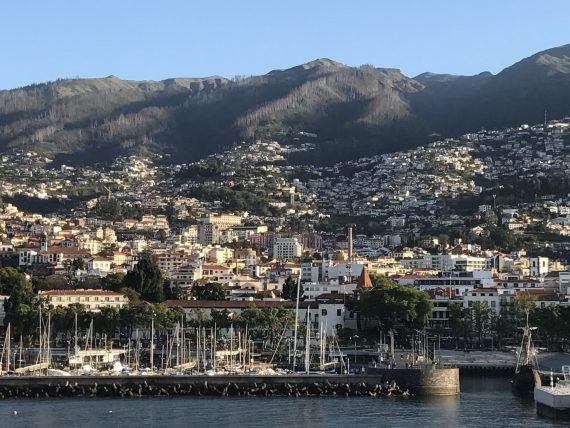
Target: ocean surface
(484,402)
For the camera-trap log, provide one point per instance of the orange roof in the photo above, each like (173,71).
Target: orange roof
(364,280)
(66,250)
(215,267)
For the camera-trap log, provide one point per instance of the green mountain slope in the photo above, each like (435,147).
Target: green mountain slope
(354,110)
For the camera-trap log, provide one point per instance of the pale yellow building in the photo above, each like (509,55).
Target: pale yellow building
(93,300)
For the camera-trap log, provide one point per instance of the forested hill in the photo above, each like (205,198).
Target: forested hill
(353,110)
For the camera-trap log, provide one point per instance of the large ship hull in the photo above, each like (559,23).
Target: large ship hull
(525,380)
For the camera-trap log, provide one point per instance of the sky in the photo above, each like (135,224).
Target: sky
(152,40)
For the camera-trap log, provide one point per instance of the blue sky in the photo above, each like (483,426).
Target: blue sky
(45,40)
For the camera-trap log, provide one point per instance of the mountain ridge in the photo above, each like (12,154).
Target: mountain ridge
(354,110)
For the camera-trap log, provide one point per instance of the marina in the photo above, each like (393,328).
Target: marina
(480,401)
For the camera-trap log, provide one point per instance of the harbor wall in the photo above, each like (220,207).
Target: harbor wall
(372,385)
(428,380)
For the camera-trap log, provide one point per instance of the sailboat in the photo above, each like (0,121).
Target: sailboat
(526,371)
(6,353)
(92,357)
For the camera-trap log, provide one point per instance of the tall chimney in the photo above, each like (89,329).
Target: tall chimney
(350,244)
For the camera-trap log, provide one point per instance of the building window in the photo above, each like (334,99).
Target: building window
(339,312)
(324,312)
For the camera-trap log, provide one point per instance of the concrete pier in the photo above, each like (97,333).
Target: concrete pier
(427,380)
(553,403)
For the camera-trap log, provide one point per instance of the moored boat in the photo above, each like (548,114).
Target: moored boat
(526,371)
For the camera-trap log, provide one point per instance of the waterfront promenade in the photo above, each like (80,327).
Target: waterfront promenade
(502,361)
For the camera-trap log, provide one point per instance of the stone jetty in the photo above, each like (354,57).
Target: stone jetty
(197,386)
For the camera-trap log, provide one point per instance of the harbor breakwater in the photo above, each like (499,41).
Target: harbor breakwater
(372,385)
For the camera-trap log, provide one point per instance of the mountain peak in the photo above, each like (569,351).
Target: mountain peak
(321,62)
(317,64)
(542,65)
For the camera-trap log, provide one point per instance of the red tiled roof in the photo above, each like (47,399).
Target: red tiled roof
(229,304)
(80,293)
(215,267)
(540,294)
(66,250)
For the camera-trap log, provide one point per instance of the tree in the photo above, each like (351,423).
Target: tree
(481,315)
(250,316)
(460,322)
(20,307)
(164,316)
(524,304)
(390,303)
(221,319)
(113,281)
(209,291)
(132,316)
(63,317)
(502,327)
(130,294)
(274,322)
(146,279)
(10,278)
(548,323)
(52,282)
(289,290)
(69,271)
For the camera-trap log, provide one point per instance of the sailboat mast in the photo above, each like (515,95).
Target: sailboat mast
(75,338)
(204,343)
(231,349)
(308,342)
(8,353)
(20,360)
(296,322)
(152,344)
(214,346)
(48,350)
(198,348)
(40,355)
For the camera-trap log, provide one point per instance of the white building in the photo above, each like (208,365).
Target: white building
(457,282)
(93,300)
(489,296)
(208,233)
(328,270)
(312,290)
(446,262)
(185,276)
(538,266)
(287,249)
(99,265)
(564,281)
